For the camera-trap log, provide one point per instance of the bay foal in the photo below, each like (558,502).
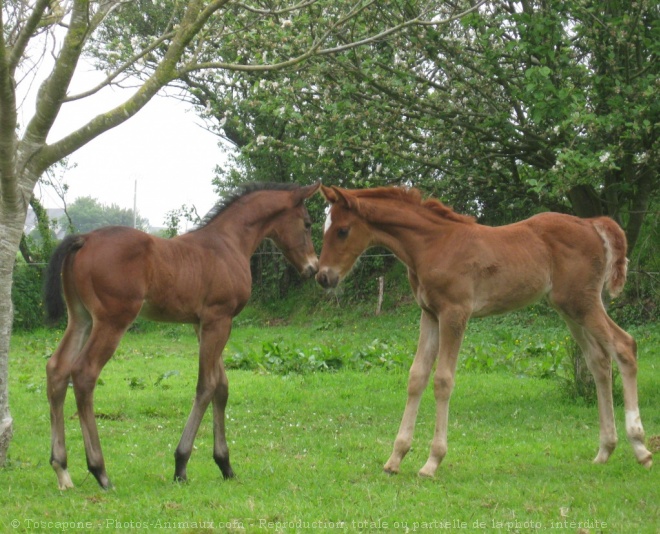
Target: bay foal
(115,274)
(459,269)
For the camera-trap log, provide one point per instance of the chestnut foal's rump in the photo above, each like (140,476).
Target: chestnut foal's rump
(459,269)
(112,275)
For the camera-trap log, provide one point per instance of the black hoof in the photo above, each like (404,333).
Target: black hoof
(180,479)
(225,467)
(101,476)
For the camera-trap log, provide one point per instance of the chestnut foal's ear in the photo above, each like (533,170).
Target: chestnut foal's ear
(329,194)
(345,199)
(304,193)
(336,195)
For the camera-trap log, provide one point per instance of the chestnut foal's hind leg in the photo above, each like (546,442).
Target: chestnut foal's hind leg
(213,336)
(605,340)
(99,348)
(58,372)
(620,346)
(600,366)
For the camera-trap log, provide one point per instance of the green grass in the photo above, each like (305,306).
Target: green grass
(308,447)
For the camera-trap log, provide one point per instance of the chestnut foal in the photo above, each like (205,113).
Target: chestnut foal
(115,274)
(460,269)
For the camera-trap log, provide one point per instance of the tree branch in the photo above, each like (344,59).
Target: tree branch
(26,34)
(193,20)
(109,79)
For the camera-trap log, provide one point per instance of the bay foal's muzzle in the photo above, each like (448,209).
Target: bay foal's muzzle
(310,269)
(327,278)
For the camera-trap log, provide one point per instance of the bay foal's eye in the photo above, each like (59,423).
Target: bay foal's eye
(342,233)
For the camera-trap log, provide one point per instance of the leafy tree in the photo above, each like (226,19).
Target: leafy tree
(514,108)
(87,213)
(156,42)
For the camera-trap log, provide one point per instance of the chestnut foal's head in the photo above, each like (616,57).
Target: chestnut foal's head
(345,236)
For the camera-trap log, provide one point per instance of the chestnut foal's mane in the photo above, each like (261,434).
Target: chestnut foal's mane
(413,196)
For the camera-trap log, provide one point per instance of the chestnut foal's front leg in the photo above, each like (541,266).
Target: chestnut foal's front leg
(211,386)
(441,338)
(452,328)
(427,351)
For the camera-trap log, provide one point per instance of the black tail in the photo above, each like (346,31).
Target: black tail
(53,282)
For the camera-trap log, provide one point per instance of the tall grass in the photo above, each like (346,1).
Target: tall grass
(314,407)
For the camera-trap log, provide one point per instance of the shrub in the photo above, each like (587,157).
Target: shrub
(26,296)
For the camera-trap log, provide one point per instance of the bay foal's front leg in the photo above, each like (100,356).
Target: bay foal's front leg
(212,385)
(427,351)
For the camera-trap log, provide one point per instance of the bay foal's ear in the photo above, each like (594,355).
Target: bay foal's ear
(343,197)
(303,193)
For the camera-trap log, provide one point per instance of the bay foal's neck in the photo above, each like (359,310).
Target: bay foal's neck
(245,223)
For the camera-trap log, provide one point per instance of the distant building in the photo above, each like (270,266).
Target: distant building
(54,214)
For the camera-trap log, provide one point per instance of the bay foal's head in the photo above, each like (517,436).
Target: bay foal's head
(291,231)
(346,235)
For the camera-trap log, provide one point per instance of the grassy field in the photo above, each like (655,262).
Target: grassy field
(314,407)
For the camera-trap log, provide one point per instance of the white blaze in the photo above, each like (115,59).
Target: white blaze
(328,223)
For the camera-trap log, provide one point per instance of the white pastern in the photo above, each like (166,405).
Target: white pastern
(633,422)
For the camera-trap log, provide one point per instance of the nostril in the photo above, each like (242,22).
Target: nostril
(322,279)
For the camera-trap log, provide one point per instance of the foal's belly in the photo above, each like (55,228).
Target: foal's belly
(153,312)
(508,297)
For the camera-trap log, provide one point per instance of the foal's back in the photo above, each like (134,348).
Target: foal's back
(123,271)
(508,267)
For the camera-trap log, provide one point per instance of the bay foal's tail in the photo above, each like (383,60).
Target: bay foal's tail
(53,300)
(616,247)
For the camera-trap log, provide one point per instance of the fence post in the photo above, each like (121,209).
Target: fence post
(381,288)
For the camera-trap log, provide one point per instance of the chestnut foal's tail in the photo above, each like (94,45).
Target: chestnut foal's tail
(616,247)
(53,300)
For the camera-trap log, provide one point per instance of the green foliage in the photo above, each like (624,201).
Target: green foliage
(87,213)
(26,296)
(503,113)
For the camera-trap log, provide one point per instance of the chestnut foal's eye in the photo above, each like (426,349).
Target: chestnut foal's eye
(308,225)
(342,233)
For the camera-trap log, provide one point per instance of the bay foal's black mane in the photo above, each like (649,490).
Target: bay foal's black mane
(239,192)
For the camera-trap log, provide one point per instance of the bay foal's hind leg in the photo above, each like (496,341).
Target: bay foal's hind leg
(99,348)
(213,336)
(58,372)
(452,328)
(427,351)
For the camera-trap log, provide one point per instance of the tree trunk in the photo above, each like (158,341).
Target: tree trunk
(11,221)
(585,201)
